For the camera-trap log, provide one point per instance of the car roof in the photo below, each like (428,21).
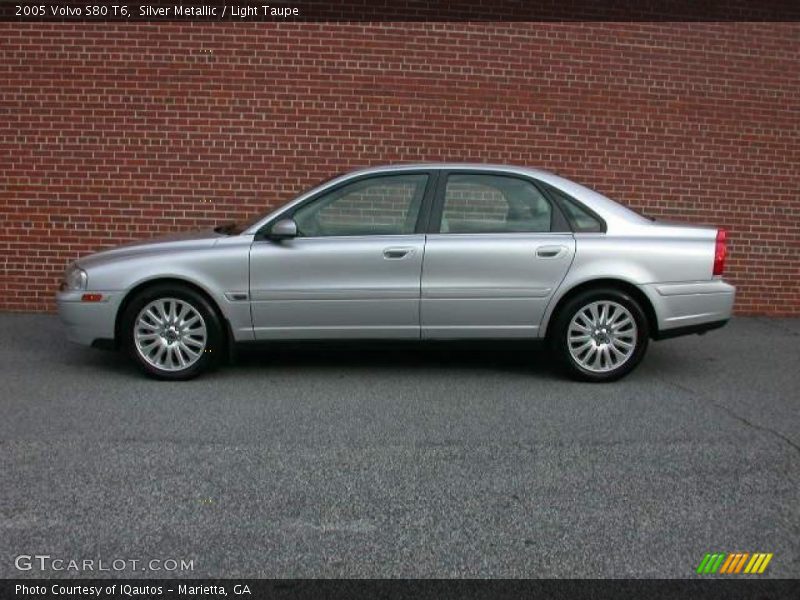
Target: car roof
(450,166)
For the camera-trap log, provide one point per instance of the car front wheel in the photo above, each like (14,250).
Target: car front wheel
(600,335)
(172,333)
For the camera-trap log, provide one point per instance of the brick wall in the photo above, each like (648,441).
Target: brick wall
(115,132)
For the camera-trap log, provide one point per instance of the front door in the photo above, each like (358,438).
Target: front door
(500,251)
(353,271)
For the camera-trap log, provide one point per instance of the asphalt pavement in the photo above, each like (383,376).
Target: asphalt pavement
(375,460)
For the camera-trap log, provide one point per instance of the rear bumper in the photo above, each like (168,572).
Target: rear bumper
(689,330)
(694,307)
(86,322)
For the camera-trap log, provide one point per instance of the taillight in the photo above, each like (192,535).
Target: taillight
(720,251)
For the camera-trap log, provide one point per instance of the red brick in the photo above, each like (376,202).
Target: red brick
(109,132)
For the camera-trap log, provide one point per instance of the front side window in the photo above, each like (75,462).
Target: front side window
(494,204)
(384,205)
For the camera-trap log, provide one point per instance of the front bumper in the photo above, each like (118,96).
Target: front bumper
(87,322)
(690,306)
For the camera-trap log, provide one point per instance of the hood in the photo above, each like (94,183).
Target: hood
(168,243)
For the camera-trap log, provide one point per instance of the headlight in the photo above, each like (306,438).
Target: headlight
(75,278)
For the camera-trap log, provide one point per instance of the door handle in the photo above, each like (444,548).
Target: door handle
(551,251)
(396,253)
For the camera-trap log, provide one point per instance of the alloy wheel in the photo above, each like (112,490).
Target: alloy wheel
(170,334)
(602,336)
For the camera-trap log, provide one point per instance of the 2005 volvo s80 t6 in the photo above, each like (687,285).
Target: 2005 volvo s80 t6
(425,252)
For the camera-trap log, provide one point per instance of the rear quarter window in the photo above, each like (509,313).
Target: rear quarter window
(580,218)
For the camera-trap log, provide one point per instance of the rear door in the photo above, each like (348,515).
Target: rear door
(498,250)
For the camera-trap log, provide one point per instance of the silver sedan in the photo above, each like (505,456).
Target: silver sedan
(424,252)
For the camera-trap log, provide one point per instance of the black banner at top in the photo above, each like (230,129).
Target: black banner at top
(402,10)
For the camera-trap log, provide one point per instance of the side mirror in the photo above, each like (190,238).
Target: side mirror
(285,229)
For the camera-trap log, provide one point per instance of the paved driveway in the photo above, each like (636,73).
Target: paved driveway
(403,461)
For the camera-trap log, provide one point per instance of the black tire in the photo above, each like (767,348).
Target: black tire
(209,355)
(560,343)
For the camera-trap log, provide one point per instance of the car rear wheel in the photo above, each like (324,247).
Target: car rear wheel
(172,332)
(600,335)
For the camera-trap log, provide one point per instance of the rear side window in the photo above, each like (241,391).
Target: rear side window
(582,220)
(494,204)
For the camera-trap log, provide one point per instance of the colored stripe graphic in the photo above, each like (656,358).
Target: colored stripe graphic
(741,562)
(718,564)
(701,567)
(758,563)
(755,562)
(732,563)
(711,562)
(729,562)
(752,563)
(765,563)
